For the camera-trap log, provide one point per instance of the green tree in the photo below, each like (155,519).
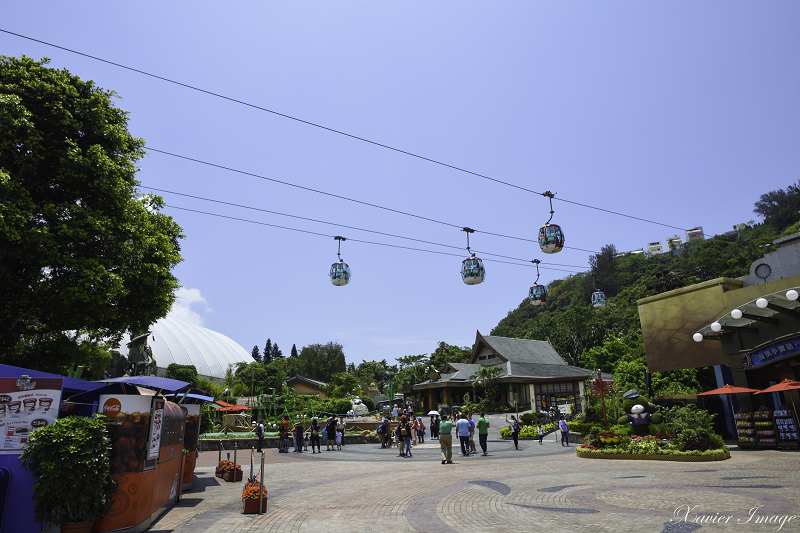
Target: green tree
(82,249)
(186,373)
(268,352)
(780,208)
(341,385)
(294,351)
(485,378)
(320,362)
(256,353)
(276,352)
(446,353)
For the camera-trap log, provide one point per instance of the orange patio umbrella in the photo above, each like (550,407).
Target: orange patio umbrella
(728,389)
(783,386)
(786,384)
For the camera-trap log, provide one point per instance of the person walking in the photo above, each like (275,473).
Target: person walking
(315,430)
(260,434)
(283,445)
(515,429)
(405,434)
(541,432)
(483,432)
(395,411)
(462,426)
(446,439)
(562,424)
(472,448)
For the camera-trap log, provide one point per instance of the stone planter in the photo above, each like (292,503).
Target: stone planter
(250,505)
(232,475)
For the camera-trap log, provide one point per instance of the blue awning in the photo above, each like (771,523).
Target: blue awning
(194,396)
(154,382)
(72,384)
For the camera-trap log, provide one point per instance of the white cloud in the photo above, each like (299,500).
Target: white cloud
(182,308)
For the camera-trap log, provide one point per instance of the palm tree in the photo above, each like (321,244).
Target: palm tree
(485,378)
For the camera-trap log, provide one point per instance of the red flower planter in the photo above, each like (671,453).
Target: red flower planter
(232,475)
(250,505)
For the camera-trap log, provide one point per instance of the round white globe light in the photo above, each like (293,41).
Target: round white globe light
(716,327)
(762,303)
(697,337)
(791,294)
(736,314)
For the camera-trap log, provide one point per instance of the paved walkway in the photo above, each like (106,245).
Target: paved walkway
(364,488)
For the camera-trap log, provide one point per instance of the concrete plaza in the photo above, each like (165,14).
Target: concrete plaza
(364,488)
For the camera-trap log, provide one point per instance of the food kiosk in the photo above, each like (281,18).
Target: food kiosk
(147,434)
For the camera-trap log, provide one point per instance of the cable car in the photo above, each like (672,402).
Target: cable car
(538,293)
(598,299)
(551,238)
(472,271)
(340,272)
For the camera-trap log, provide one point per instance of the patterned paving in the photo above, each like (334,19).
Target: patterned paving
(363,488)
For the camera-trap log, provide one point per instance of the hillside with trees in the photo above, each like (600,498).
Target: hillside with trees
(610,338)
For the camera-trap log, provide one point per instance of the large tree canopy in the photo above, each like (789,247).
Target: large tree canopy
(83,255)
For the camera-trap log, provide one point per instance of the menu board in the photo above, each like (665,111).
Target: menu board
(26,405)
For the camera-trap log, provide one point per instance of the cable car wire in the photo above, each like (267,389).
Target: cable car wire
(238,219)
(376,206)
(332,130)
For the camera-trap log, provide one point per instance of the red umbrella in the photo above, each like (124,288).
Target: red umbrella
(727,389)
(783,386)
(786,384)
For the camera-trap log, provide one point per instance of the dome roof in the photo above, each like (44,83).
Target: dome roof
(175,341)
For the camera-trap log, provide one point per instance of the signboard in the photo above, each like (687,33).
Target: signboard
(599,388)
(155,430)
(26,405)
(773,352)
(128,423)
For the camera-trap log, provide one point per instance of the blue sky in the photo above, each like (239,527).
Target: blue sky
(681,113)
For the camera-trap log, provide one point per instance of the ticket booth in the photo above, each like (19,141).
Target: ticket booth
(147,434)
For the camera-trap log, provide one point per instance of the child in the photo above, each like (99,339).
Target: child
(541,433)
(338,440)
(306,440)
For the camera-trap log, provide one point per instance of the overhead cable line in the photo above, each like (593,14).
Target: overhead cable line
(349,238)
(340,197)
(241,206)
(332,130)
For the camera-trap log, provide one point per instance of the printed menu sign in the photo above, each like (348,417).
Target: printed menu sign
(155,430)
(26,405)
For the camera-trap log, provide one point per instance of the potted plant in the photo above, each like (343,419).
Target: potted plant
(231,471)
(70,462)
(251,494)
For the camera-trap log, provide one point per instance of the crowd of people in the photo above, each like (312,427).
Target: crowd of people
(297,437)
(408,432)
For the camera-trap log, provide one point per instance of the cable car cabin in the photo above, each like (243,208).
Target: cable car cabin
(472,271)
(340,274)
(551,238)
(538,294)
(598,299)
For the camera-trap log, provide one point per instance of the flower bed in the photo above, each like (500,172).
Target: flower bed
(668,455)
(690,446)
(252,492)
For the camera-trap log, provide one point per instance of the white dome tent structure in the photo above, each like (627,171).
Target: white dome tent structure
(174,341)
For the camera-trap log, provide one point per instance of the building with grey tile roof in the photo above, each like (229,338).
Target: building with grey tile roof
(532,376)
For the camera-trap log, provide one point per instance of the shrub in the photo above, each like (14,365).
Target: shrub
(369,402)
(531,418)
(340,407)
(688,417)
(699,440)
(70,462)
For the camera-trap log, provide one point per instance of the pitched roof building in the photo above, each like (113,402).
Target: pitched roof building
(532,375)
